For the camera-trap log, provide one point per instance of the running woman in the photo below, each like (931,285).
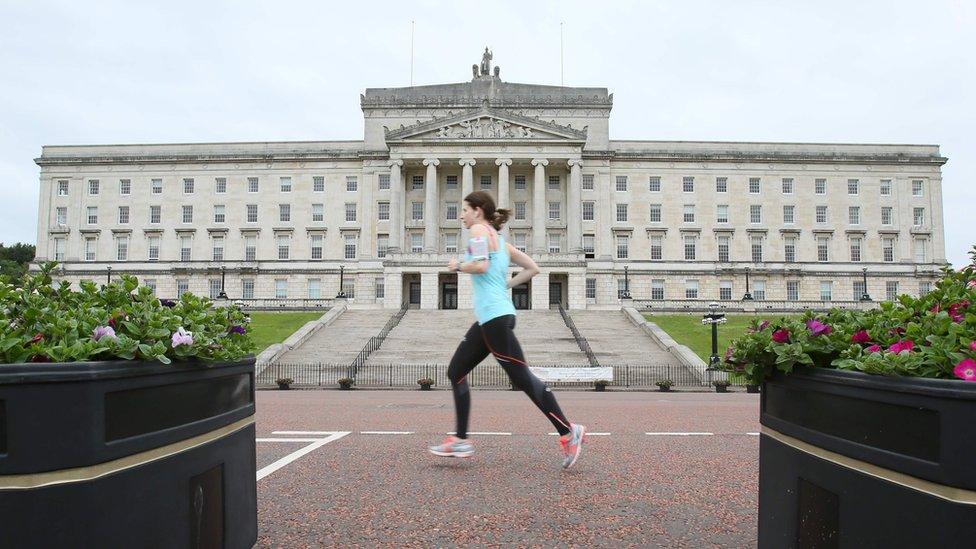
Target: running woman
(487,260)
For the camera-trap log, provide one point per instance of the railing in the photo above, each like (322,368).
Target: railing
(375,341)
(580,340)
(488,376)
(739,306)
(275,304)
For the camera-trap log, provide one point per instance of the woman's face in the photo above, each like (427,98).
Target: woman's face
(470,216)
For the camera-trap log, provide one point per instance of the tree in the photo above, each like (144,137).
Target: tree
(15,259)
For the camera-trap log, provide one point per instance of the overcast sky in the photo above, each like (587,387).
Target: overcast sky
(840,72)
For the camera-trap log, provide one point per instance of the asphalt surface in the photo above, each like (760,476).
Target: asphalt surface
(373,488)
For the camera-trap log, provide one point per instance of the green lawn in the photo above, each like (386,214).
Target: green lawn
(687,329)
(267,328)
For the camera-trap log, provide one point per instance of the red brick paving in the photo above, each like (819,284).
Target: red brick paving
(628,489)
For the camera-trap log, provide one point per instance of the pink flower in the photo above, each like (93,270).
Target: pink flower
(966,369)
(728,355)
(763,325)
(971,284)
(954,310)
(781,336)
(103,331)
(935,309)
(36,339)
(874,348)
(182,337)
(818,328)
(861,336)
(972,346)
(903,345)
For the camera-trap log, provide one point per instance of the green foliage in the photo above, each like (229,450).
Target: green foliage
(47,323)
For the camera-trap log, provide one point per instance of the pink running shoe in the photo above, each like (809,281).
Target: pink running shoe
(572,444)
(453,447)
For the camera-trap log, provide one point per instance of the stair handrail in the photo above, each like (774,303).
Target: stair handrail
(581,341)
(374,342)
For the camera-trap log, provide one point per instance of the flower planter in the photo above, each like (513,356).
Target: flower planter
(663,388)
(345,386)
(752,388)
(850,459)
(721,388)
(425,387)
(284,386)
(94,453)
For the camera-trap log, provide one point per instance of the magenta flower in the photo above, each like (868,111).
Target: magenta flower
(971,284)
(36,339)
(966,369)
(972,346)
(167,303)
(818,328)
(861,336)
(781,336)
(728,354)
(903,345)
(874,348)
(955,308)
(182,337)
(103,331)
(935,308)
(763,325)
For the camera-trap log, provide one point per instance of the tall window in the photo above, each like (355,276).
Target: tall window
(451,243)
(284,246)
(182,286)
(755,213)
(788,214)
(59,249)
(725,290)
(921,245)
(885,187)
(787,185)
(917,187)
(688,184)
(924,287)
(187,213)
(417,211)
(757,248)
(219,214)
(125,187)
(821,214)
(655,210)
(859,290)
(623,247)
(852,186)
(451,182)
(621,183)
(314,288)
(789,249)
(451,211)
(520,182)
(587,182)
(691,289)
(888,249)
(621,212)
(188,185)
(823,247)
(792,290)
(886,215)
(826,290)
(721,184)
(383,211)
(891,290)
(380,288)
(724,243)
(520,210)
(588,245)
(383,181)
(218,248)
(416,242)
(382,245)
(657,288)
(688,213)
(186,242)
(722,213)
(588,214)
(157,186)
(519,241)
(690,247)
(590,288)
(252,213)
(417,183)
(92,215)
(91,245)
(318,212)
(285,184)
(350,212)
(855,249)
(657,245)
(318,183)
(820,186)
(250,248)
(247,289)
(854,215)
(486,182)
(284,213)
(62,187)
(654,184)
(350,245)
(93,186)
(352,183)
(754,185)
(759,290)
(554,182)
(123,215)
(555,243)
(252,184)
(153,248)
(553,211)
(316,241)
(918,216)
(281,288)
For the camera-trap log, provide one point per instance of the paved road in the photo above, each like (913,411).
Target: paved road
(349,468)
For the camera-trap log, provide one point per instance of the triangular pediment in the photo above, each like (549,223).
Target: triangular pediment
(486,123)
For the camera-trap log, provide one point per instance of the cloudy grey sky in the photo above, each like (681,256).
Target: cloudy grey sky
(818,71)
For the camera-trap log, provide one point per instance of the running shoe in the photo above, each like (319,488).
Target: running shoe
(572,444)
(453,447)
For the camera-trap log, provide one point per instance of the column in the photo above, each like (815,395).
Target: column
(540,291)
(574,217)
(467,186)
(503,185)
(605,216)
(367,237)
(430,205)
(396,206)
(577,290)
(428,290)
(539,212)
(393,289)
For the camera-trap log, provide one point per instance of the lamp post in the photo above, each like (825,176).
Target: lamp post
(714,318)
(626,294)
(865,296)
(341,294)
(747,296)
(108,275)
(223,274)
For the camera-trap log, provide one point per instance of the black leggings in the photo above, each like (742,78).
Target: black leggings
(498,338)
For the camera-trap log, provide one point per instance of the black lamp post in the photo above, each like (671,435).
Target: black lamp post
(341,294)
(626,294)
(223,274)
(747,296)
(865,296)
(714,318)
(108,276)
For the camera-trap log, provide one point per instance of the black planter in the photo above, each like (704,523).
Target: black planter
(663,389)
(721,388)
(345,386)
(106,454)
(855,460)
(599,388)
(752,388)
(425,387)
(284,386)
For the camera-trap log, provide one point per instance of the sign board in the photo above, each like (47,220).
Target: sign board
(573,374)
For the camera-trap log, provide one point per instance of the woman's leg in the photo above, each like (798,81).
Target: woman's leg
(499,337)
(470,352)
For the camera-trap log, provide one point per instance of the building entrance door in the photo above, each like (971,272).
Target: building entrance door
(520,297)
(415,294)
(555,294)
(449,295)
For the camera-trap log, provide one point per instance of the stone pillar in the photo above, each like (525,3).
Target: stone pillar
(577,290)
(539,214)
(396,207)
(605,217)
(540,291)
(465,295)
(367,237)
(430,206)
(574,217)
(503,186)
(393,290)
(467,186)
(428,290)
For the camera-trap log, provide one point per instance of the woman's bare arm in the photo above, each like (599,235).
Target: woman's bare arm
(529,268)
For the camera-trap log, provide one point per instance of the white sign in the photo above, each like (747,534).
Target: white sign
(573,374)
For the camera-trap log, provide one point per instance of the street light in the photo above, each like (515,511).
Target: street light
(341,294)
(714,318)
(865,296)
(108,276)
(747,296)
(626,293)
(223,273)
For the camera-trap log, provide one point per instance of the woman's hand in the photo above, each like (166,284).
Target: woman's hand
(452,264)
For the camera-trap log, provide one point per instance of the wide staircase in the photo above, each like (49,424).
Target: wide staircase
(615,340)
(341,341)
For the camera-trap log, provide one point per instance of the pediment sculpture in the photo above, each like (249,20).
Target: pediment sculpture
(484,128)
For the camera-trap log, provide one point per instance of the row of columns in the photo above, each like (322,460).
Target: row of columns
(539,209)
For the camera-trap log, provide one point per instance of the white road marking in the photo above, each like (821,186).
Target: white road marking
(267,470)
(588,433)
(306,432)
(288,439)
(680,434)
(386,432)
(753,434)
(481,433)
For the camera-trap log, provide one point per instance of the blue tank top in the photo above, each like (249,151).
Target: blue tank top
(491,297)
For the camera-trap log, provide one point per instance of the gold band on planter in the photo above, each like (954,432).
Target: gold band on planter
(955,495)
(92,472)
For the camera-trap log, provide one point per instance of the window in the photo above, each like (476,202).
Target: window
(451,211)
(891,290)
(754,185)
(252,213)
(220,185)
(885,187)
(918,216)
(314,288)
(214,288)
(285,184)
(352,183)
(316,242)
(588,212)
(555,243)
(157,186)
(855,249)
(924,287)
(725,290)
(185,247)
(823,246)
(350,211)
(417,211)
(724,243)
(688,213)
(854,215)
(520,210)
(382,245)
(691,289)
(125,187)
(416,242)
(916,187)
(123,215)
(690,247)
(486,182)
(519,241)
(188,185)
(788,214)
(787,185)
(417,183)
(588,246)
(520,182)
(622,289)
(921,245)
(92,215)
(688,184)
(621,183)
(318,183)
(655,210)
(721,184)
(820,186)
(383,211)
(554,211)
(759,290)
(888,249)
(826,290)
(852,186)
(284,213)
(62,187)
(318,212)
(623,246)
(657,288)
(621,212)
(187,213)
(756,243)
(219,215)
(247,289)
(250,248)
(451,182)
(380,288)
(92,187)
(590,288)
(383,181)
(59,249)
(61,215)
(859,291)
(284,246)
(654,184)
(789,249)
(886,215)
(657,245)
(721,213)
(755,213)
(182,286)
(587,183)
(821,214)
(151,284)
(252,184)
(792,290)
(218,248)
(451,243)
(281,288)
(90,247)
(553,182)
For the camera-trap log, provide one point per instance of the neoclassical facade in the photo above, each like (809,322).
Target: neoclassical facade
(685,220)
